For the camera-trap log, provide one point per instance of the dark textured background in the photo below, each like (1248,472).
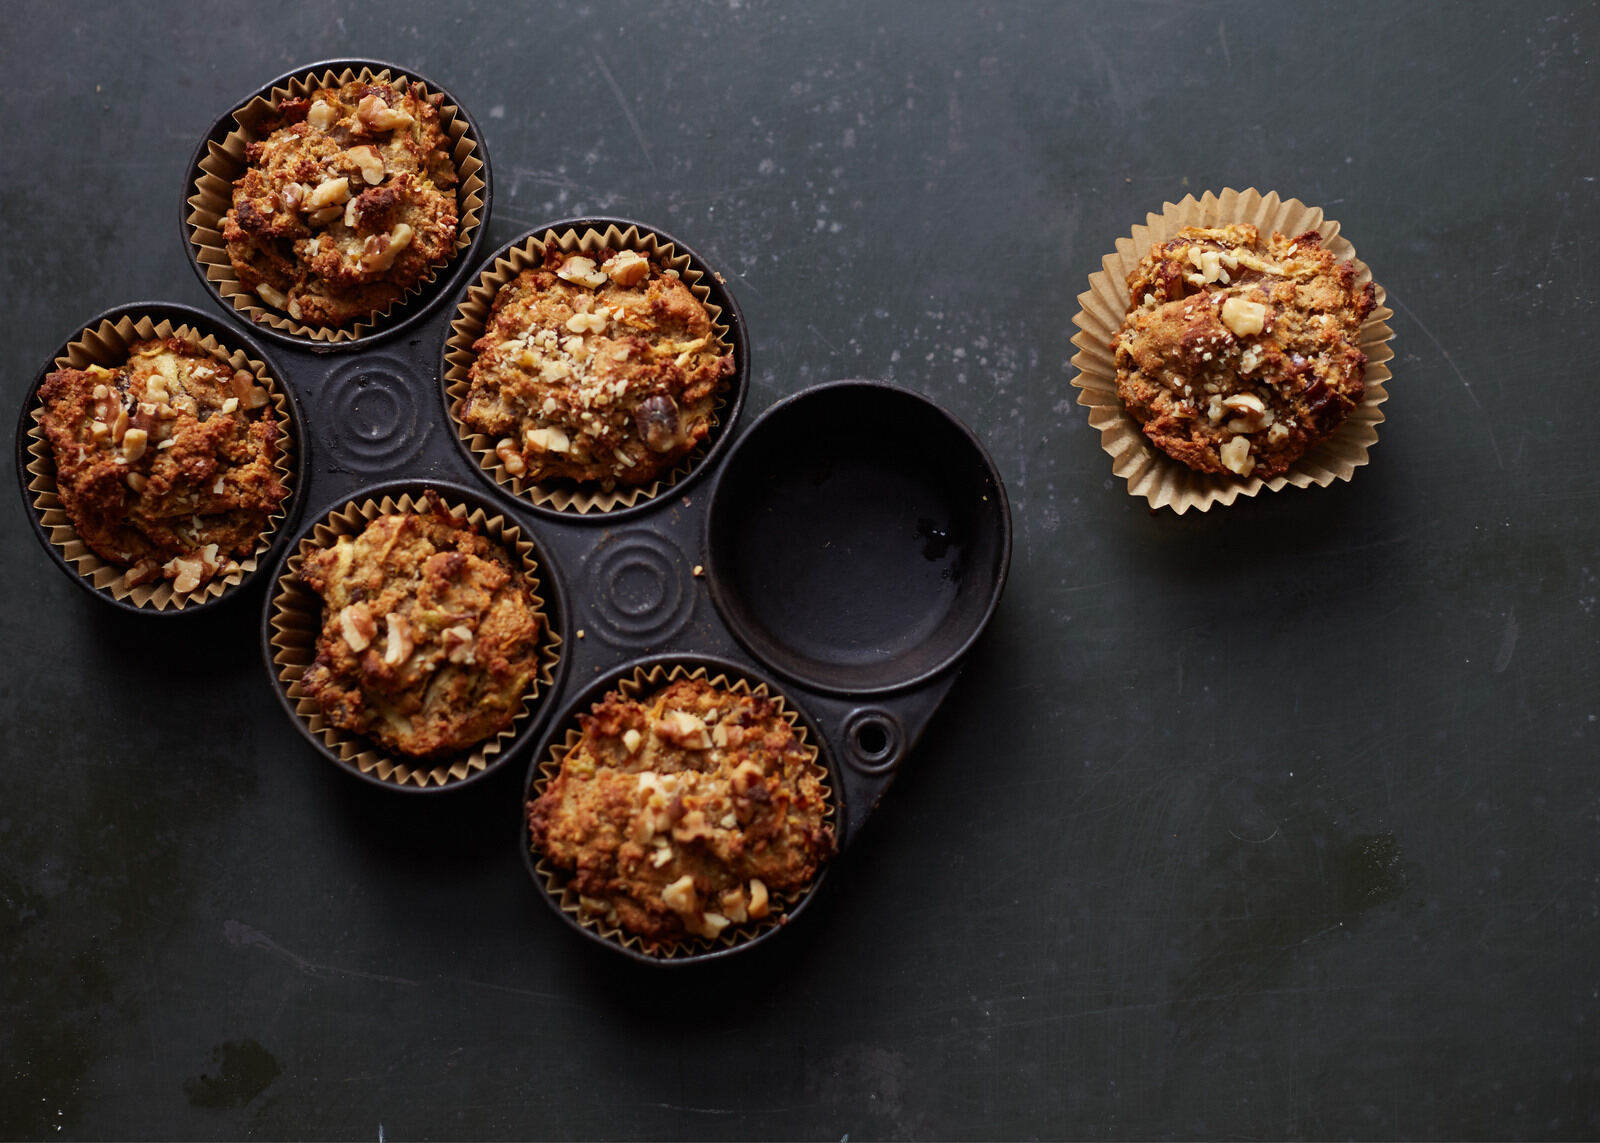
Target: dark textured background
(1277,820)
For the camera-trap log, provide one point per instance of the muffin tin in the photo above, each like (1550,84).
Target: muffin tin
(845,549)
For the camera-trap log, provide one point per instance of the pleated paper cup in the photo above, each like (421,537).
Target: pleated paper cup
(587,915)
(222,162)
(472,316)
(1148,471)
(295,620)
(106,343)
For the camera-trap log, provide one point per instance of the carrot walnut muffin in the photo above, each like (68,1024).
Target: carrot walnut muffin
(166,465)
(682,812)
(348,203)
(1238,355)
(600,368)
(430,636)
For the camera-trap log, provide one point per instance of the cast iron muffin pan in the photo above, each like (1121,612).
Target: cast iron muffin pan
(845,548)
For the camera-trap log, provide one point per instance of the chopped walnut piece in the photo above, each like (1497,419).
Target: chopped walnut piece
(1236,456)
(399,645)
(680,896)
(626,268)
(759,904)
(1244,317)
(582,271)
(357,627)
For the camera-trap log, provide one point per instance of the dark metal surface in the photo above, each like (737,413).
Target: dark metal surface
(1278,820)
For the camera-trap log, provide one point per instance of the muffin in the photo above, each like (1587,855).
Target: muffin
(600,367)
(347,201)
(430,635)
(682,812)
(1238,354)
(166,465)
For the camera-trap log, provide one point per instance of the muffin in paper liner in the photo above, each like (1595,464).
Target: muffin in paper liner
(556,883)
(295,620)
(1150,472)
(107,344)
(223,162)
(472,315)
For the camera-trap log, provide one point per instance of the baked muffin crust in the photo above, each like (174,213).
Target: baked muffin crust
(430,634)
(347,204)
(167,464)
(683,811)
(601,368)
(1237,354)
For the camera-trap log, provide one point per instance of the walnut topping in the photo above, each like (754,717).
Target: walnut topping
(133,443)
(587,323)
(626,268)
(187,574)
(1244,317)
(1236,456)
(273,297)
(458,643)
(685,729)
(582,271)
(329,192)
(376,115)
(380,250)
(631,739)
(679,896)
(357,627)
(137,481)
(759,904)
(506,450)
(547,440)
(322,116)
(398,647)
(371,163)
(712,924)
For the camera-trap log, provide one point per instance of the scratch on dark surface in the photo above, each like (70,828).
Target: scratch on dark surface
(818,333)
(240,935)
(1461,377)
(1508,643)
(1222,36)
(627,114)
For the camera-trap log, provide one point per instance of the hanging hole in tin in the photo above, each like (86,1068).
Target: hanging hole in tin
(873,740)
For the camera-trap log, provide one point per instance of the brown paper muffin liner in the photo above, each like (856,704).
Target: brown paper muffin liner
(1151,473)
(296,621)
(648,680)
(212,196)
(468,326)
(107,345)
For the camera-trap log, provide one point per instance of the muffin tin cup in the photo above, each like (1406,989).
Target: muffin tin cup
(647,677)
(104,341)
(1151,473)
(220,159)
(294,619)
(576,236)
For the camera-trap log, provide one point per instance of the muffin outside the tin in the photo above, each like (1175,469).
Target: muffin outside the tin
(166,458)
(683,812)
(1137,352)
(1239,350)
(430,635)
(347,203)
(599,367)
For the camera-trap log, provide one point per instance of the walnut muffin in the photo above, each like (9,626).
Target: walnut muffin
(348,203)
(166,465)
(599,368)
(684,811)
(1238,354)
(430,634)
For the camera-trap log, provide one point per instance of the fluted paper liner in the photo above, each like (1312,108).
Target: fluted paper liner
(211,198)
(1151,473)
(107,345)
(297,621)
(649,680)
(473,314)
